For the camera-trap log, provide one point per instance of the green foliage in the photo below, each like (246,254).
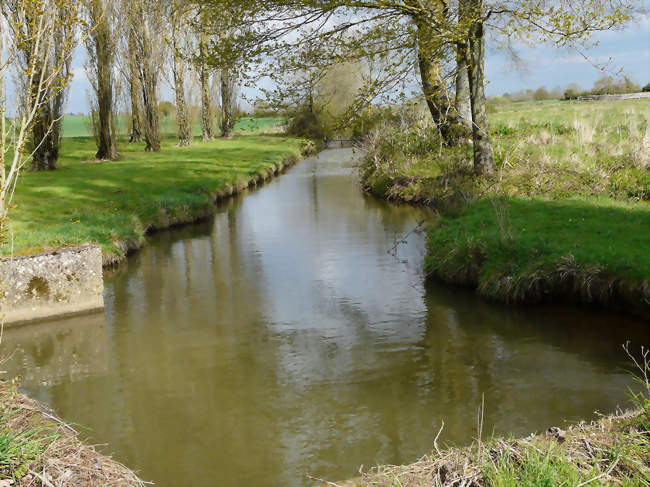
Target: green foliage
(608,85)
(166,108)
(646,88)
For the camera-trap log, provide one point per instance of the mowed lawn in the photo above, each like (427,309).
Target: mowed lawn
(113,202)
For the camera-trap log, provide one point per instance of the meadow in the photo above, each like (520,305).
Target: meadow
(78,126)
(566,214)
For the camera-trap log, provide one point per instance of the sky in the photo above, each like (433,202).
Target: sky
(627,50)
(548,66)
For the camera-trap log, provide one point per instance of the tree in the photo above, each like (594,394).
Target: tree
(228,102)
(146,27)
(420,36)
(135,90)
(34,26)
(179,44)
(46,51)
(101,48)
(205,71)
(541,94)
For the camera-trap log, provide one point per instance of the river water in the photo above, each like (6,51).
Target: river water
(293,335)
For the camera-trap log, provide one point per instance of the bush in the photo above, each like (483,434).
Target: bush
(303,122)
(646,88)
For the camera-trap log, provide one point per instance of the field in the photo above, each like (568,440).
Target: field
(566,215)
(77,126)
(114,203)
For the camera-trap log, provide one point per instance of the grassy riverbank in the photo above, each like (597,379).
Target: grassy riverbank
(39,450)
(115,203)
(614,450)
(565,216)
(611,451)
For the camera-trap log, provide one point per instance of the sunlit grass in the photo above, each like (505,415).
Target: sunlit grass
(114,202)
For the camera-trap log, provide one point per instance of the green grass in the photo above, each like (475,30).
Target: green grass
(533,249)
(568,211)
(77,126)
(110,203)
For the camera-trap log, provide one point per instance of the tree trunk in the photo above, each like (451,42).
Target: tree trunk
(433,83)
(45,141)
(184,129)
(462,100)
(227,103)
(136,124)
(148,73)
(483,151)
(106,143)
(46,131)
(151,116)
(207,132)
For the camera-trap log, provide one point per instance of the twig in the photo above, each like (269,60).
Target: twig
(435,440)
(604,474)
(322,481)
(42,479)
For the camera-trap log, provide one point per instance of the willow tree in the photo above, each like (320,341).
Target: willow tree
(101,47)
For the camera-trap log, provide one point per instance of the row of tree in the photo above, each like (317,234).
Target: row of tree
(134,41)
(438,46)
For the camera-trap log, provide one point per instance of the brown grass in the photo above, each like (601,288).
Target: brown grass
(64,461)
(586,446)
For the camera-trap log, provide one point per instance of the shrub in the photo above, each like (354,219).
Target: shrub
(646,88)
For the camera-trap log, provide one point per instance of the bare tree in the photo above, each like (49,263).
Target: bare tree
(24,19)
(39,52)
(146,27)
(101,46)
(207,110)
(135,91)
(179,44)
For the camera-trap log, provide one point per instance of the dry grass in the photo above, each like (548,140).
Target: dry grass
(611,451)
(48,451)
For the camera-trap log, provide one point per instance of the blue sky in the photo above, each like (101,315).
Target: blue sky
(628,50)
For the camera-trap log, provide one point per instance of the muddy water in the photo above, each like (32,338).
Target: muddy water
(286,337)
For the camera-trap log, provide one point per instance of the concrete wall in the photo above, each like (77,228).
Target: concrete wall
(59,283)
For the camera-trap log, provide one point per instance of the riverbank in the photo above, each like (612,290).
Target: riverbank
(564,218)
(114,204)
(38,449)
(611,451)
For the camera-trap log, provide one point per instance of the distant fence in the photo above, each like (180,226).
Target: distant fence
(339,143)
(628,96)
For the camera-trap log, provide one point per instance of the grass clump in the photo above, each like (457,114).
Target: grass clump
(38,449)
(115,203)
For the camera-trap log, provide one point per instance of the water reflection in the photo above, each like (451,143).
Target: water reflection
(283,338)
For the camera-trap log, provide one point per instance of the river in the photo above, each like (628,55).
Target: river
(293,334)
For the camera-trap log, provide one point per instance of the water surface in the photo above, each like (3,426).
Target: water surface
(293,334)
